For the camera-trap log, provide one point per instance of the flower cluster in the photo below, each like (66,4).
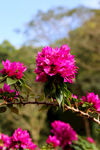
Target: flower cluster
(7,94)
(5,139)
(14,69)
(19,140)
(58,61)
(92,99)
(63,134)
(53,140)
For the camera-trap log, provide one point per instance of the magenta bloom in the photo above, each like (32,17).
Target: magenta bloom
(6,140)
(74,96)
(22,139)
(92,99)
(57,61)
(6,92)
(90,140)
(14,69)
(53,140)
(63,132)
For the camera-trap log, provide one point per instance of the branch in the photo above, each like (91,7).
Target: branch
(84,114)
(36,102)
(76,110)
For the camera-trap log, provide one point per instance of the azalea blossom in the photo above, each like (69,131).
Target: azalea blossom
(53,140)
(6,141)
(63,134)
(92,99)
(22,139)
(7,93)
(14,69)
(55,61)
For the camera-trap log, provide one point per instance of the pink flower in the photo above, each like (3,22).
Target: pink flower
(22,139)
(6,92)
(74,96)
(6,140)
(14,69)
(63,132)
(92,99)
(53,140)
(90,140)
(57,61)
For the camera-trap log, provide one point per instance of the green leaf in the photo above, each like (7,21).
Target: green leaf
(67,93)
(49,89)
(77,100)
(47,147)
(84,105)
(68,102)
(2,79)
(20,82)
(68,96)
(27,87)
(1,85)
(11,81)
(83,144)
(63,102)
(59,98)
(3,109)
